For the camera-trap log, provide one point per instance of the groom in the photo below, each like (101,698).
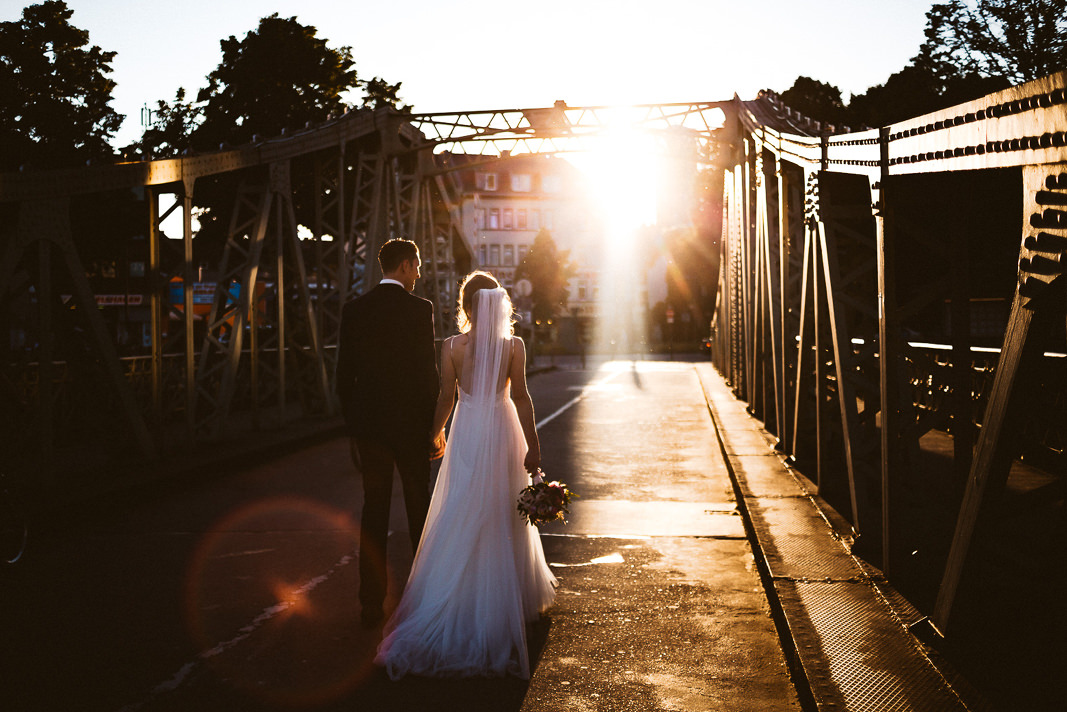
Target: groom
(387,381)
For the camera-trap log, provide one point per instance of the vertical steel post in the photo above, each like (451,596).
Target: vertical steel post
(279,285)
(889,345)
(785,425)
(155,304)
(188,278)
(46,357)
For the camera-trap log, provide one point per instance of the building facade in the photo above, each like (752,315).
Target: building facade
(506,202)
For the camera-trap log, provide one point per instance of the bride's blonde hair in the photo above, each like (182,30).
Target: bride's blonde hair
(472,284)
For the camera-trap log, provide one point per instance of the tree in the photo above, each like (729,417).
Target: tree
(381,93)
(916,90)
(171,128)
(280,76)
(1017,41)
(548,269)
(817,100)
(54,91)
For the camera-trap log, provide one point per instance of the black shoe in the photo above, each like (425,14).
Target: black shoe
(372,617)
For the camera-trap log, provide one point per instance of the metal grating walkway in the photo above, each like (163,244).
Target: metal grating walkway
(851,647)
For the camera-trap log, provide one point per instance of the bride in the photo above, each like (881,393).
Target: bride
(479,573)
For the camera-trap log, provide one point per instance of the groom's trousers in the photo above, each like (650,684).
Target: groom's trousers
(376,463)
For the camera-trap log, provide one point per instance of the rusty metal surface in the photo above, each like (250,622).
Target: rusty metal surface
(855,654)
(798,543)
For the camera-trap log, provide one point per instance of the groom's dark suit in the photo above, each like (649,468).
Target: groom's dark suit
(387,381)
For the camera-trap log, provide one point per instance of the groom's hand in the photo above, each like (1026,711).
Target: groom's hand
(437,446)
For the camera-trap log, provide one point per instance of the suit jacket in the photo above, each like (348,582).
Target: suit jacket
(387,376)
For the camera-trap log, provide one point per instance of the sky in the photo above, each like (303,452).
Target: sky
(473,54)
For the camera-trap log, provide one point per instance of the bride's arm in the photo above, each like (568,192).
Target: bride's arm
(447,397)
(524,404)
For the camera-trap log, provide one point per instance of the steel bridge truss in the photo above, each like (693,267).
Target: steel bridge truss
(817,298)
(815,295)
(263,352)
(564,129)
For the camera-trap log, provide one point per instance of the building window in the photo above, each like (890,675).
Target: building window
(479,219)
(509,255)
(535,219)
(494,255)
(522,253)
(521,182)
(485,181)
(509,218)
(520,218)
(494,219)
(546,219)
(551,184)
(483,254)
(581,290)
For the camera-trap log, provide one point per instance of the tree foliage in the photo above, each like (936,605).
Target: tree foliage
(280,76)
(916,90)
(1018,41)
(817,100)
(171,127)
(972,48)
(381,93)
(548,268)
(54,91)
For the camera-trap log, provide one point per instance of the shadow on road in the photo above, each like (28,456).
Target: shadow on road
(419,694)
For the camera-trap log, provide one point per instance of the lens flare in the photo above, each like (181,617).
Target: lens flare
(270,600)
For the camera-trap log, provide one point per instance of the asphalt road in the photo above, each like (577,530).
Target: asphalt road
(237,591)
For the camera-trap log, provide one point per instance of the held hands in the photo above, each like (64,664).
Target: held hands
(437,445)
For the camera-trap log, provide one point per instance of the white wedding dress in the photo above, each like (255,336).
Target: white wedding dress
(480,573)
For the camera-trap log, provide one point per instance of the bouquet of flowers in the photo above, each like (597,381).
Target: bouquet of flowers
(544,502)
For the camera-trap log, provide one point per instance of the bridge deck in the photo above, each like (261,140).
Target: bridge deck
(239,591)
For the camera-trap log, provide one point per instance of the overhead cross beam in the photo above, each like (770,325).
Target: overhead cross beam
(562,129)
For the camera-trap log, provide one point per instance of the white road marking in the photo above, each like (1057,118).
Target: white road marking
(178,678)
(572,401)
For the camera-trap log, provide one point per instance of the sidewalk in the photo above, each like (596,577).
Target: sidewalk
(844,626)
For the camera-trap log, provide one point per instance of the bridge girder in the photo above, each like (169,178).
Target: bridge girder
(829,366)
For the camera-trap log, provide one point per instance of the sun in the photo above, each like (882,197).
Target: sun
(623,168)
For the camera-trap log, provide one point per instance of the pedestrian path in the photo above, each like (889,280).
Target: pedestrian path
(845,628)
